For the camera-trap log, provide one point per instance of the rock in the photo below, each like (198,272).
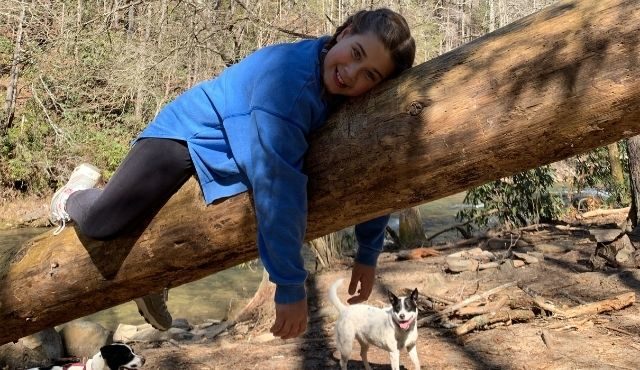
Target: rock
(124,333)
(501,244)
(180,334)
(213,331)
(537,255)
(489,265)
(625,252)
(181,324)
(474,253)
(526,257)
(145,326)
(84,338)
(605,235)
(456,264)
(39,349)
(151,335)
(507,266)
(518,263)
(550,248)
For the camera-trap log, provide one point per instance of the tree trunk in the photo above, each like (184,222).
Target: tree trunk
(550,86)
(616,169)
(12,87)
(77,36)
(410,230)
(633,149)
(327,250)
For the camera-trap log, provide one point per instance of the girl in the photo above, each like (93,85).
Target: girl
(246,130)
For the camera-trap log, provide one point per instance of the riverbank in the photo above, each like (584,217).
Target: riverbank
(545,341)
(24,211)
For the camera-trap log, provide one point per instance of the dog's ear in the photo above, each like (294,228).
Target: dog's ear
(414,295)
(392,297)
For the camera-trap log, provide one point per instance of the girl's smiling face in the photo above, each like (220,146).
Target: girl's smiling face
(355,64)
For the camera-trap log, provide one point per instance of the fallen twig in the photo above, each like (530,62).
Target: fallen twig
(450,309)
(481,310)
(429,297)
(620,331)
(494,317)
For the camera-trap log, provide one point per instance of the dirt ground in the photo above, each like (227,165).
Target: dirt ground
(609,340)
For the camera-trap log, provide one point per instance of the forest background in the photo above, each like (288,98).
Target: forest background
(81,78)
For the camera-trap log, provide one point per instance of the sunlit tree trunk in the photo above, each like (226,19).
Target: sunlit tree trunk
(616,167)
(410,231)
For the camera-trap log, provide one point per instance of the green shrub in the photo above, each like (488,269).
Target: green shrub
(593,170)
(520,200)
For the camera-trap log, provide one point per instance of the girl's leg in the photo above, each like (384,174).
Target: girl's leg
(150,174)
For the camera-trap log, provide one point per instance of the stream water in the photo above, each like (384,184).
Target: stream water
(215,296)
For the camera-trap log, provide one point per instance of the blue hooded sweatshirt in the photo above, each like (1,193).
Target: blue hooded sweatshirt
(246,130)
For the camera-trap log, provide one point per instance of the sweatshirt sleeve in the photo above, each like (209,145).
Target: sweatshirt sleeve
(277,148)
(370,237)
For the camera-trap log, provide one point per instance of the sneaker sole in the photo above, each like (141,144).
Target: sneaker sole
(146,315)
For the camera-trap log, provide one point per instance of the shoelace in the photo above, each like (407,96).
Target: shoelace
(61,218)
(61,225)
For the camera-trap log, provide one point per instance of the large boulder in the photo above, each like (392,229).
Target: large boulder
(39,349)
(84,338)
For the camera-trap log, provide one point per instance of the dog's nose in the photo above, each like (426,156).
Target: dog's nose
(401,316)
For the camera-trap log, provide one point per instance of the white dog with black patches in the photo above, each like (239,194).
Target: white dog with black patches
(390,329)
(115,356)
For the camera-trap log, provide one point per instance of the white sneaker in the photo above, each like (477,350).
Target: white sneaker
(84,176)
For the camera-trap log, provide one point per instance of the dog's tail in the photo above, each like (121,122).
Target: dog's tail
(333,295)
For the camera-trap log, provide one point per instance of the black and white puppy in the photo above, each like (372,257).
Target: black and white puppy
(115,356)
(391,329)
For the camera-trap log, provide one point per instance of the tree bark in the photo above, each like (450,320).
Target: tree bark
(410,229)
(616,168)
(633,150)
(549,86)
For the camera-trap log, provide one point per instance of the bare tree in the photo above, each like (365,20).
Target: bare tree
(12,88)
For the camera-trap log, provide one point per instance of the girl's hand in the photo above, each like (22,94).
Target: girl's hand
(291,319)
(365,275)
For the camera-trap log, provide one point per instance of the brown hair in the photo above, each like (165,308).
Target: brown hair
(392,30)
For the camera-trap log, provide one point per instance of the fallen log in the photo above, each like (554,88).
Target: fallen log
(602,212)
(494,317)
(547,87)
(610,304)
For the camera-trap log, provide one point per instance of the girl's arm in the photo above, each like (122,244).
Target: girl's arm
(370,237)
(277,149)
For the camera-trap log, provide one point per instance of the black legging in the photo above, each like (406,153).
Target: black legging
(150,174)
